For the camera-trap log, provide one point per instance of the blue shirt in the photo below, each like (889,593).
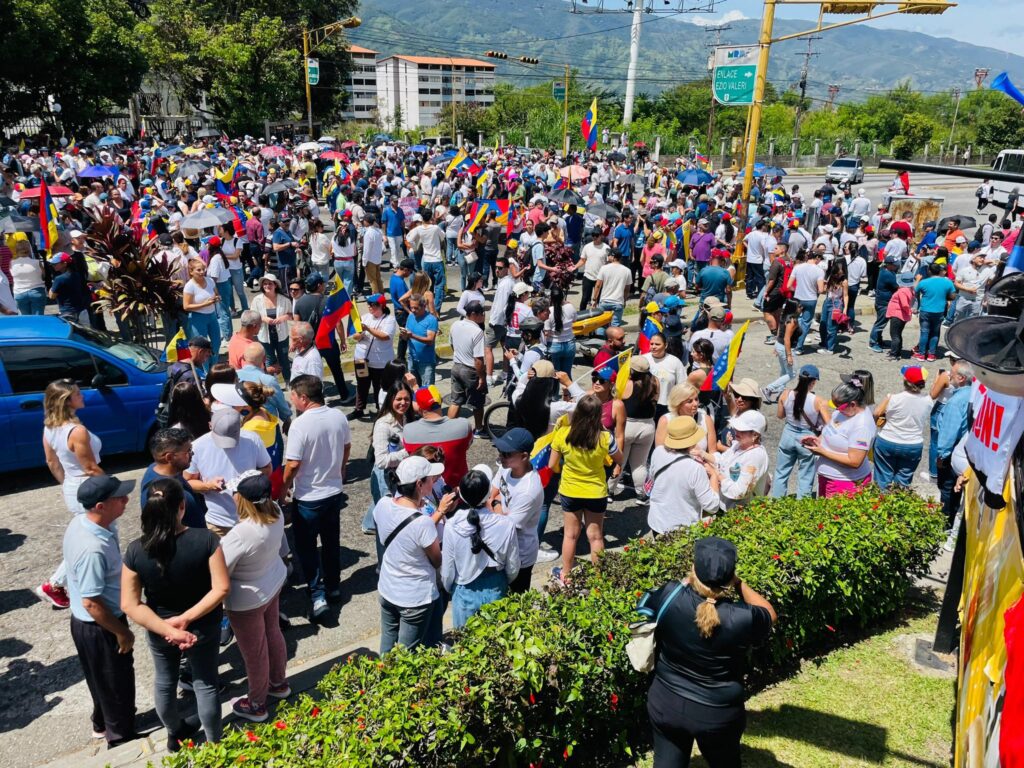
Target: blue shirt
(93,559)
(928,241)
(392,219)
(420,351)
(397,288)
(573,228)
(953,421)
(933,292)
(71,292)
(195,508)
(285,257)
(277,404)
(624,236)
(885,287)
(713,281)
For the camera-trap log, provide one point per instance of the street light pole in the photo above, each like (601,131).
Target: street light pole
(309,93)
(311,39)
(565,117)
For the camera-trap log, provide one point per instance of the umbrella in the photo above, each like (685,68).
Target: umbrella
(964,222)
(629,178)
(326,140)
(348,144)
(604,211)
(207,133)
(616,156)
(109,141)
(175,149)
(575,172)
(772,171)
(204,219)
(694,177)
(419,148)
(382,137)
(274,151)
(15,223)
(758,172)
(639,144)
(192,151)
(282,185)
(308,146)
(98,172)
(58,191)
(566,196)
(191,168)
(331,154)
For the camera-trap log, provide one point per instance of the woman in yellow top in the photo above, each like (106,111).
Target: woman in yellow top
(264,425)
(581,452)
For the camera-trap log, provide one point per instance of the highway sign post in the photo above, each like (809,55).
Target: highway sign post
(558,91)
(735,74)
(313,70)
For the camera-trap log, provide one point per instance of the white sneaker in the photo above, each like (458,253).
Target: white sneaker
(547,555)
(926,477)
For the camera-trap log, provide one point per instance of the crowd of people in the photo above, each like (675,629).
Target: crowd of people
(248,441)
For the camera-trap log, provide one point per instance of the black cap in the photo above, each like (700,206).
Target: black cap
(255,488)
(100,488)
(517,440)
(714,561)
(314,281)
(200,342)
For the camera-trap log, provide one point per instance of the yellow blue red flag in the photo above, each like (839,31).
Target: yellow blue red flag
(589,126)
(47,218)
(177,348)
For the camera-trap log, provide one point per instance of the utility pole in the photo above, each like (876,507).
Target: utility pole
(980,74)
(634,54)
(956,111)
(833,91)
(718,41)
(803,83)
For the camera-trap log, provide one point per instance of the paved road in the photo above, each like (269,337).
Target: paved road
(45,707)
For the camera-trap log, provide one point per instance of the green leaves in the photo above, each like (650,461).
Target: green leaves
(544,678)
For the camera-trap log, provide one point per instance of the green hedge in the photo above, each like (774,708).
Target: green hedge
(540,679)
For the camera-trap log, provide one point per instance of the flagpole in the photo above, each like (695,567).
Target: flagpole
(565,117)
(602,365)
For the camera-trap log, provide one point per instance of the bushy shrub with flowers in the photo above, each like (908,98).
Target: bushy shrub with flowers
(543,680)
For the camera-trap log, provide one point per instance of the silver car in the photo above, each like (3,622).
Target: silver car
(848,169)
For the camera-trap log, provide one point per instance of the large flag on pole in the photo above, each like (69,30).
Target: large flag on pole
(338,305)
(47,218)
(589,126)
(725,365)
(462,161)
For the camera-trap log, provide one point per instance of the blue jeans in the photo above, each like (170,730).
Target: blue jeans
(785,371)
(224,309)
(615,309)
(933,439)
(200,324)
(202,658)
(451,252)
(895,463)
(378,487)
(410,627)
(806,318)
(793,454)
(437,277)
(851,301)
(277,354)
(347,274)
(467,599)
(313,520)
(875,337)
(423,371)
(828,325)
(32,301)
(562,355)
(238,283)
(931,324)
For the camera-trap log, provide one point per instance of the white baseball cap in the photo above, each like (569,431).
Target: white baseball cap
(414,468)
(749,421)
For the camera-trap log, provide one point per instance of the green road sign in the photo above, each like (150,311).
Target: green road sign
(558,90)
(735,74)
(313,68)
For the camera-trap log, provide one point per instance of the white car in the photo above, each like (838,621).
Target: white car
(848,169)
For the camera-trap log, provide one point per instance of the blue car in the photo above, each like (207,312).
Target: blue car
(120,381)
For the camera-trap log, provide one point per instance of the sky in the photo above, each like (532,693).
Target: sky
(980,22)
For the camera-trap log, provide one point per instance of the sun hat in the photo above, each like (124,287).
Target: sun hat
(683,432)
(746,388)
(639,365)
(521,289)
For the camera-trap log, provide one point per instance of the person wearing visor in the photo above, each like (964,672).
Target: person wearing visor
(845,442)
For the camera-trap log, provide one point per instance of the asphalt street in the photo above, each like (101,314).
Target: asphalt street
(44,710)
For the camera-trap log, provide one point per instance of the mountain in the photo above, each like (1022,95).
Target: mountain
(861,59)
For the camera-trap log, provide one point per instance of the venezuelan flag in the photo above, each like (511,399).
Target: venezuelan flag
(1015,260)
(154,163)
(338,305)
(562,183)
(224,181)
(240,218)
(725,365)
(700,159)
(476,216)
(462,161)
(589,126)
(177,348)
(622,377)
(47,218)
(651,327)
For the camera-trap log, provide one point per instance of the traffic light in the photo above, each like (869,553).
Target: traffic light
(528,60)
(496,54)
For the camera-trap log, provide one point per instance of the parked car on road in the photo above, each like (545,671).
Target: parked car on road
(121,383)
(848,169)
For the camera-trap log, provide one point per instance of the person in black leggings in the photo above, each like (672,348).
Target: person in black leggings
(702,640)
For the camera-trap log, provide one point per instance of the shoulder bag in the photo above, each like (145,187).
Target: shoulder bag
(642,647)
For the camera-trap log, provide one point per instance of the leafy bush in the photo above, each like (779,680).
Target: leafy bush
(544,680)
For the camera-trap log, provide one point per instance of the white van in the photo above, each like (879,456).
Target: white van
(1008,161)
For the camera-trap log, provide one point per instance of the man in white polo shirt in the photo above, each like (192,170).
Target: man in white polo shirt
(315,456)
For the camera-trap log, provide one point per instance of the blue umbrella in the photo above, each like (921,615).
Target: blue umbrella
(773,171)
(758,172)
(176,149)
(449,154)
(98,172)
(694,177)
(418,148)
(108,141)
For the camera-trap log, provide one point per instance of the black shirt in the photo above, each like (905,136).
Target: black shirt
(185,582)
(707,671)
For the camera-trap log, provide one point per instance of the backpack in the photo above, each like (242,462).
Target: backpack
(163,404)
(784,289)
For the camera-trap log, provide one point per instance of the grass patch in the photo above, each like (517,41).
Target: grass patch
(862,705)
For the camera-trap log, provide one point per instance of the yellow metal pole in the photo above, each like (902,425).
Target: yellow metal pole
(305,68)
(565,117)
(765,41)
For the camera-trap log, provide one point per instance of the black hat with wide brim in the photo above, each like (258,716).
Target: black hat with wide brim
(993,343)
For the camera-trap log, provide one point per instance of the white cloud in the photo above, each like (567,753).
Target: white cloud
(702,21)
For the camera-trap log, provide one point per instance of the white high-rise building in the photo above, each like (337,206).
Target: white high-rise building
(362,85)
(419,86)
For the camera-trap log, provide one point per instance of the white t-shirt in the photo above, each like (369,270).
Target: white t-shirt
(309,362)
(407,578)
(615,279)
(682,492)
(218,271)
(744,473)
(469,295)
(200,294)
(522,499)
(253,554)
(669,371)
(806,277)
(719,338)
(568,318)
(210,461)
(377,352)
(432,239)
(906,417)
(317,438)
(841,435)
(467,341)
(27,275)
(595,256)
(857,271)
(501,293)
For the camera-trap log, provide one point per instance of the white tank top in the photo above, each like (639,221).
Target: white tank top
(57,437)
(809,411)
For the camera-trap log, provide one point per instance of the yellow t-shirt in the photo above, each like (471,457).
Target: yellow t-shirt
(582,471)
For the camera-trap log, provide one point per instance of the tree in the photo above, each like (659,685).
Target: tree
(915,131)
(82,52)
(247,57)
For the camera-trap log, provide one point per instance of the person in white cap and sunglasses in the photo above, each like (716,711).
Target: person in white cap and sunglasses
(743,466)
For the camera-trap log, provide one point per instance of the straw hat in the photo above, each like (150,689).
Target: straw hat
(683,432)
